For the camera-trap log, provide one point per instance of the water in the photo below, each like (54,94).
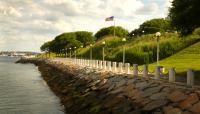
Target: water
(23,91)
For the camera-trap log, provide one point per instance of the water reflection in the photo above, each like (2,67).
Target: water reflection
(22,90)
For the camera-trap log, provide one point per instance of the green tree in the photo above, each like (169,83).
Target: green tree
(119,31)
(64,41)
(152,26)
(184,15)
(46,47)
(85,37)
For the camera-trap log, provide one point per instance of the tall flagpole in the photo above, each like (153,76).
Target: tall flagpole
(114,26)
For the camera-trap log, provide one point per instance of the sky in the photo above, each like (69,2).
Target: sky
(26,24)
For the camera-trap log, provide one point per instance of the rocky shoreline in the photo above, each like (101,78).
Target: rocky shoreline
(88,91)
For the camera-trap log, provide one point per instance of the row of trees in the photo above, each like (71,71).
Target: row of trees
(64,41)
(68,40)
(153,26)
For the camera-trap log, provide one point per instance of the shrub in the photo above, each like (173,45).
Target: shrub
(119,31)
(197,31)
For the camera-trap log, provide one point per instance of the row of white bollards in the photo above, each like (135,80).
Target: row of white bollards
(105,65)
(125,68)
(172,75)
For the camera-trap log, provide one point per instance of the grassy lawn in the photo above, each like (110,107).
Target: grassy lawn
(187,58)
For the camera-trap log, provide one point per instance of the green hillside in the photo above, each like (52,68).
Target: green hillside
(187,58)
(140,50)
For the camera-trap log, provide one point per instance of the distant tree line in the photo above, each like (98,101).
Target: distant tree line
(69,40)
(152,26)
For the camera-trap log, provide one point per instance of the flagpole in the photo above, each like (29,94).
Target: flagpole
(114,27)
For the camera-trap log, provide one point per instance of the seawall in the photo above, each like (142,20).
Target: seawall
(85,90)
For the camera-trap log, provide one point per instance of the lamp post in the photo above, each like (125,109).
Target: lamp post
(75,51)
(124,40)
(70,52)
(158,34)
(66,52)
(143,32)
(103,53)
(90,51)
(81,53)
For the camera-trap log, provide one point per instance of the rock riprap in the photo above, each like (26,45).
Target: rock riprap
(83,90)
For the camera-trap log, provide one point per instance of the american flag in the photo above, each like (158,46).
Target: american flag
(109,18)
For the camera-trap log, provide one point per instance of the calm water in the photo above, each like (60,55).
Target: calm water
(23,91)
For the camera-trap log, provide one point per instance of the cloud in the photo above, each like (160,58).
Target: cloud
(26,24)
(148,9)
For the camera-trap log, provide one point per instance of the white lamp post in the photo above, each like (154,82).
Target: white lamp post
(81,53)
(124,40)
(103,53)
(70,53)
(90,51)
(158,34)
(66,52)
(75,51)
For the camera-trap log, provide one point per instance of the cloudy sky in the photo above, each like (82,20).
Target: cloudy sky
(26,24)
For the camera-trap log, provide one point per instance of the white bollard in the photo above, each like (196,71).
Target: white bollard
(91,63)
(190,77)
(127,68)
(76,61)
(100,65)
(114,66)
(109,66)
(145,71)
(172,75)
(135,69)
(120,67)
(84,62)
(88,63)
(157,73)
(81,62)
(94,64)
(104,65)
(97,64)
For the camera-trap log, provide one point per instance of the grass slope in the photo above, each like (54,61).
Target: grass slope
(187,58)
(140,50)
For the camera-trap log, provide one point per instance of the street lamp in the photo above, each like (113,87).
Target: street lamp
(70,52)
(143,31)
(90,51)
(66,52)
(75,51)
(103,53)
(81,53)
(158,34)
(124,40)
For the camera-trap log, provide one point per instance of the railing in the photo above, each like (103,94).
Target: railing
(120,68)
